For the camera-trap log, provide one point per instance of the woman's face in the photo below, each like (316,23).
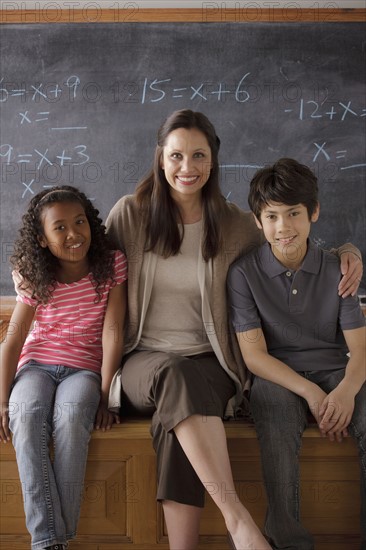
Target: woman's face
(186,161)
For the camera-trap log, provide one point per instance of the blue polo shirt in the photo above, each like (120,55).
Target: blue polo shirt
(300,312)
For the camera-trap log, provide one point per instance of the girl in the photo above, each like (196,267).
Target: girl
(55,381)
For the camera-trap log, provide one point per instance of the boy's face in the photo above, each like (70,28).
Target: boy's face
(287,229)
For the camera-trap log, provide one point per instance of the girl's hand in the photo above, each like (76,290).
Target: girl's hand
(336,411)
(351,268)
(4,423)
(105,419)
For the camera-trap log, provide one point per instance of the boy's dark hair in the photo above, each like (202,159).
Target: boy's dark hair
(285,182)
(38,265)
(153,192)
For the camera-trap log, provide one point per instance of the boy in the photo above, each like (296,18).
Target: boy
(294,333)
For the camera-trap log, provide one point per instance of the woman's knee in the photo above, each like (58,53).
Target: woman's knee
(179,382)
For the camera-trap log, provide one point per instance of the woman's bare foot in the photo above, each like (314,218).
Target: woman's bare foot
(245,534)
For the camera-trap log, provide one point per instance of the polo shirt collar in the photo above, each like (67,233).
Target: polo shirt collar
(273,267)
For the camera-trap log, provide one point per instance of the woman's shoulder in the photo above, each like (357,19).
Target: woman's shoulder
(125,203)
(236,215)
(124,213)
(239,228)
(234,209)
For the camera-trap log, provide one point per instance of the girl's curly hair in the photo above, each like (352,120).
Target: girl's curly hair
(38,266)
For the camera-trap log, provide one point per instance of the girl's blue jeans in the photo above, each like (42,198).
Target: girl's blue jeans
(52,402)
(280,418)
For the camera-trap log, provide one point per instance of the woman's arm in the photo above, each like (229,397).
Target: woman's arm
(21,286)
(11,348)
(351,269)
(112,342)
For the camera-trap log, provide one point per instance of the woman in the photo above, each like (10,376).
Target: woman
(183,365)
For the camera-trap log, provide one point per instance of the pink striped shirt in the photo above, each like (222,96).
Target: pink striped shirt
(68,329)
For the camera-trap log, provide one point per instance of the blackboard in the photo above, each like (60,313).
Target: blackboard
(81,104)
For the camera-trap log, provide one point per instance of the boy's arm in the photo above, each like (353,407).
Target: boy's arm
(351,269)
(256,357)
(11,348)
(112,342)
(338,406)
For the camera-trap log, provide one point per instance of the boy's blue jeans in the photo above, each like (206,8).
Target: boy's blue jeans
(280,419)
(60,402)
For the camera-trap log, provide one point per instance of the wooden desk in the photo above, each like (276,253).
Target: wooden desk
(119,509)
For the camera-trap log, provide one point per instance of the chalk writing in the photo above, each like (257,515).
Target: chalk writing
(146,90)
(322,151)
(77,156)
(156,90)
(42,164)
(50,92)
(48,164)
(313,110)
(28,187)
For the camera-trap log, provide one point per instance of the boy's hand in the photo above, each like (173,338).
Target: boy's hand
(351,268)
(105,419)
(315,398)
(4,423)
(336,412)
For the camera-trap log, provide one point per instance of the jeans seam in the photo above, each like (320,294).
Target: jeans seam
(48,498)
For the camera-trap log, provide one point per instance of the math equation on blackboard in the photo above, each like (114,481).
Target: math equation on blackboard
(32,107)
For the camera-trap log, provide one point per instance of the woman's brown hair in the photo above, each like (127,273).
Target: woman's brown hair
(161,213)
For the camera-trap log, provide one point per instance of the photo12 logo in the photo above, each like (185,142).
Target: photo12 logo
(68,12)
(268,11)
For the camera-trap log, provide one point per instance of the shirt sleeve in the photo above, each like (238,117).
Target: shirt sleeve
(120,267)
(25,300)
(350,313)
(243,310)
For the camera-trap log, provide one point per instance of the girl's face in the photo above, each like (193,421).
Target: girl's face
(186,161)
(66,233)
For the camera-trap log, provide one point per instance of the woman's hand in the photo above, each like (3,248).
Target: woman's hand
(105,419)
(351,268)
(22,286)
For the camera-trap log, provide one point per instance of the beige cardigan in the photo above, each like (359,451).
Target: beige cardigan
(125,227)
